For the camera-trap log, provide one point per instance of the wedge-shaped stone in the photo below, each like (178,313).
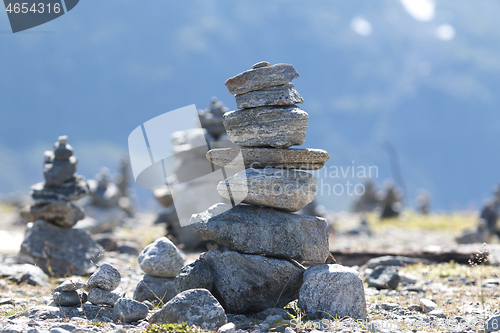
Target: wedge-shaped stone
(259,158)
(252,283)
(279,95)
(258,230)
(267,126)
(285,189)
(261,78)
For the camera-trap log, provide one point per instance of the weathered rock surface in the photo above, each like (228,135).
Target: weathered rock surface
(72,190)
(194,276)
(71,284)
(194,307)
(261,78)
(61,213)
(285,189)
(278,95)
(259,230)
(259,158)
(26,273)
(161,258)
(384,277)
(332,290)
(252,283)
(59,251)
(69,298)
(106,277)
(267,126)
(98,296)
(155,289)
(128,310)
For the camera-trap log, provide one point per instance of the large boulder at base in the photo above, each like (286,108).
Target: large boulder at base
(59,251)
(253,283)
(194,307)
(161,258)
(155,289)
(260,230)
(332,290)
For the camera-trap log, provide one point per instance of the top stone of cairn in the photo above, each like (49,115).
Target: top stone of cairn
(262,75)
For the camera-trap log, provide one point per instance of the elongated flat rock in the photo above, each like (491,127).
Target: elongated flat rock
(258,230)
(279,95)
(267,126)
(285,189)
(259,158)
(261,78)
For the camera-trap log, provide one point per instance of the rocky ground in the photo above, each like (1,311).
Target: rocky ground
(429,297)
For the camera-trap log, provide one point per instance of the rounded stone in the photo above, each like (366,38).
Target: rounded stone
(161,258)
(69,298)
(106,277)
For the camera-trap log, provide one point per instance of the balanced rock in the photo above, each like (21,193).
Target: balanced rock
(155,289)
(259,230)
(194,307)
(59,251)
(285,189)
(72,190)
(261,77)
(71,284)
(98,296)
(253,283)
(106,277)
(196,275)
(267,126)
(69,298)
(59,165)
(278,95)
(332,290)
(161,258)
(260,158)
(128,310)
(62,213)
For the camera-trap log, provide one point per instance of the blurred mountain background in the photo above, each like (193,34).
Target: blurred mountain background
(421,75)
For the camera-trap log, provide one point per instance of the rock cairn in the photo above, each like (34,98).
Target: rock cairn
(51,243)
(265,242)
(161,261)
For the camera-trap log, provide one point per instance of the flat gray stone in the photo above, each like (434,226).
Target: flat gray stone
(59,251)
(61,213)
(261,78)
(161,258)
(332,290)
(106,277)
(194,307)
(260,158)
(258,230)
(155,289)
(399,261)
(69,298)
(278,95)
(253,283)
(26,273)
(384,277)
(128,310)
(196,275)
(285,189)
(72,190)
(267,126)
(71,284)
(98,296)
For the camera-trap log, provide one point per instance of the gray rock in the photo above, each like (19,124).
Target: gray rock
(278,95)
(149,305)
(389,306)
(72,190)
(399,261)
(285,189)
(161,259)
(155,289)
(194,307)
(253,283)
(61,213)
(72,284)
(26,273)
(227,328)
(69,298)
(493,324)
(261,78)
(384,277)
(129,310)
(98,296)
(88,310)
(428,305)
(196,275)
(267,126)
(261,64)
(57,172)
(62,150)
(259,158)
(163,195)
(12,329)
(259,230)
(59,251)
(332,290)
(106,277)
